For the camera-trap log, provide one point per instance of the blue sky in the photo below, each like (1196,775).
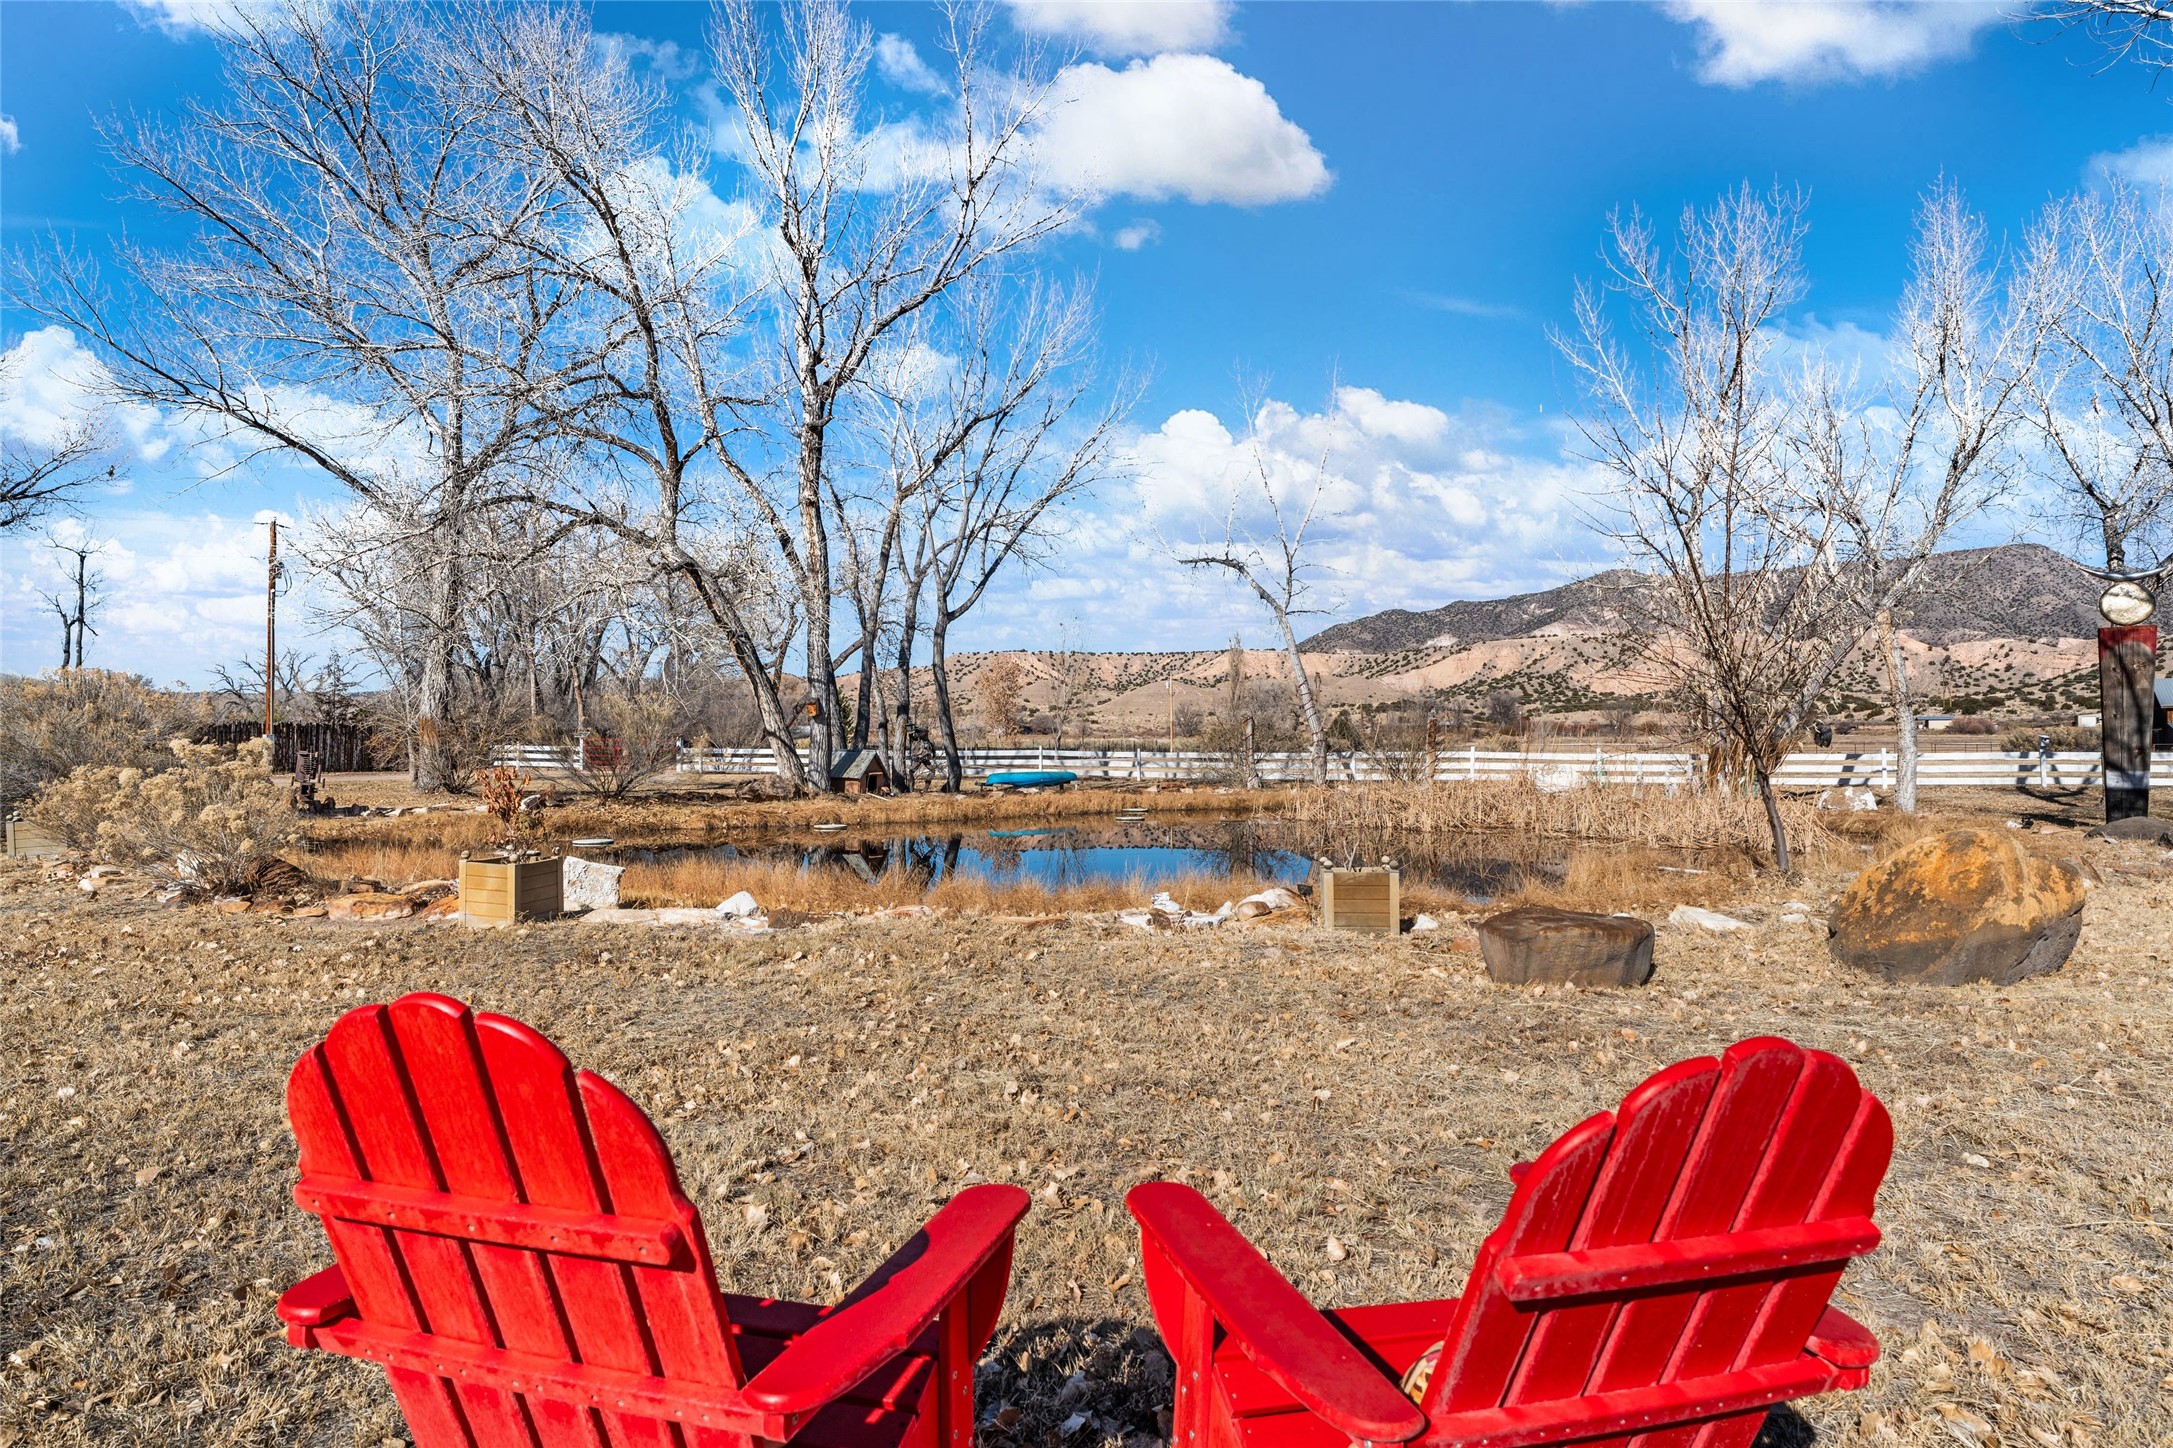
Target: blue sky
(1396,198)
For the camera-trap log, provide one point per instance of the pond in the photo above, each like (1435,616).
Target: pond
(1147,854)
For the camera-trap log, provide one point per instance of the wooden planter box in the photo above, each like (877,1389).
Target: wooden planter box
(1370,899)
(494,889)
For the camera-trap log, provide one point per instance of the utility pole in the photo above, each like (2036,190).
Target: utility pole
(271,632)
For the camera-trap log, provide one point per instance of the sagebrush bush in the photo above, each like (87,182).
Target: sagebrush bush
(207,820)
(56,723)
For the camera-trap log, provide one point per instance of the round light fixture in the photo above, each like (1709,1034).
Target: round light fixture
(2126,603)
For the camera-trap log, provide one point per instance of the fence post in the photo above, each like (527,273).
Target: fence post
(1883,769)
(1471,764)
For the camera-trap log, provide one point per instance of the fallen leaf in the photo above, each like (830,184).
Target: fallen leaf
(1971,1158)
(1337,1251)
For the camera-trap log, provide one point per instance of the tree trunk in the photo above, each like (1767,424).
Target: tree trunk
(901,766)
(1314,727)
(1773,817)
(939,673)
(1897,683)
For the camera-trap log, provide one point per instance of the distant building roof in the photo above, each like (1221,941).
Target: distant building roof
(855,764)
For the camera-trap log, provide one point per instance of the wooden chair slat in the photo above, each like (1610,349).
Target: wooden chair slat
(1488,1336)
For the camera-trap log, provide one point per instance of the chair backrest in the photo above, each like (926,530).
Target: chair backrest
(1659,1262)
(479,1190)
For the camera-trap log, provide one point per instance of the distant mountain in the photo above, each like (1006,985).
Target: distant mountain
(2018,590)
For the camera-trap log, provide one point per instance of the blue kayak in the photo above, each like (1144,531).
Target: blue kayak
(1031,778)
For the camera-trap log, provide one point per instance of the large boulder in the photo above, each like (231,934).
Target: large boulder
(1566,946)
(1963,906)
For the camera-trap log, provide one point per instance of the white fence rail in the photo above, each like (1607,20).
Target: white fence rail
(1871,769)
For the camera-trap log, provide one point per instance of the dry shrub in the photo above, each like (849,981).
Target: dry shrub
(57,723)
(208,819)
(641,741)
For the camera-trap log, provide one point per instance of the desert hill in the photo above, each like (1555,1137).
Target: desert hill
(2008,631)
(2015,591)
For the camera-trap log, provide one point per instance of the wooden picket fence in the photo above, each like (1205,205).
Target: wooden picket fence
(1870,769)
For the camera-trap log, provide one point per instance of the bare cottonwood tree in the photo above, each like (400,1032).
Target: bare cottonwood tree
(1009,441)
(1695,431)
(355,292)
(2101,267)
(866,239)
(1265,521)
(1902,464)
(79,596)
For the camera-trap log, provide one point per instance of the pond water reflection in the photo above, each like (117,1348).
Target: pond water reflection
(1147,854)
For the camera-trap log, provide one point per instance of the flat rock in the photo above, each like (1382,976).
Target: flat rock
(2149,831)
(1565,946)
(369,907)
(1712,920)
(587,885)
(1968,905)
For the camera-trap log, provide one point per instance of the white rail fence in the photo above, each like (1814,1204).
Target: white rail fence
(1557,768)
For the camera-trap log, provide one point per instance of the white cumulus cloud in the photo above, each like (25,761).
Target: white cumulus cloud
(1135,235)
(1185,126)
(2147,163)
(11,138)
(1128,27)
(181,18)
(899,63)
(1421,505)
(1811,41)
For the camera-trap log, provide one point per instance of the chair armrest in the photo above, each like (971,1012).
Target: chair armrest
(317,1299)
(894,1306)
(1273,1324)
(1843,1341)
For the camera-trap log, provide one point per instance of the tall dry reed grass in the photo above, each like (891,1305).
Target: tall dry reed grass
(1366,821)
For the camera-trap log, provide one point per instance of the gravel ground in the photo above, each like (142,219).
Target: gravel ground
(844,1077)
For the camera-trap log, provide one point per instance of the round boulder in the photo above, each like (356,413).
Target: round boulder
(1535,943)
(1963,906)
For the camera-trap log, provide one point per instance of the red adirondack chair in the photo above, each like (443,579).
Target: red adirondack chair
(513,1246)
(1660,1278)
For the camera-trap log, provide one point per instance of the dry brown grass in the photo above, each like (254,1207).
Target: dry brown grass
(151,1202)
(1366,819)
